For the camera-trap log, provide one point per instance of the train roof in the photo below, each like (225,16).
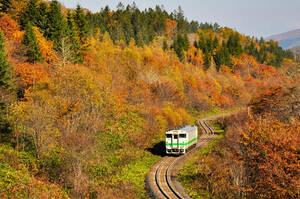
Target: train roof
(186,128)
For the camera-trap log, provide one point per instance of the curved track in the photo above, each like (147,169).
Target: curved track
(161,179)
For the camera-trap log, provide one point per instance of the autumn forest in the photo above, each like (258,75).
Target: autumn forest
(85,98)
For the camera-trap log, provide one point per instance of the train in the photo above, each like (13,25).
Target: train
(181,139)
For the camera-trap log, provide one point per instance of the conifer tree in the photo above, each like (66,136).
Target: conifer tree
(30,14)
(81,24)
(42,18)
(165,45)
(56,24)
(234,46)
(181,44)
(5,88)
(222,56)
(5,70)
(33,52)
(70,47)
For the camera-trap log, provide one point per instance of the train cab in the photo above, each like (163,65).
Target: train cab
(179,140)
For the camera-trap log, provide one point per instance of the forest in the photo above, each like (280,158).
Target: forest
(84,97)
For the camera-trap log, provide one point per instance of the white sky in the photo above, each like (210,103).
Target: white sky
(251,17)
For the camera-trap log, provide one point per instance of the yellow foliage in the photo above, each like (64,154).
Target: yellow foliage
(46,47)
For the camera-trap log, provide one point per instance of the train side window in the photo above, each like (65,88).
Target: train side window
(182,135)
(169,135)
(175,136)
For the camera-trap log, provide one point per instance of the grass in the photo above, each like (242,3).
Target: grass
(136,172)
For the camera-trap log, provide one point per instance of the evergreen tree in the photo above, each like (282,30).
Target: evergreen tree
(251,49)
(5,70)
(30,14)
(4,5)
(222,56)
(165,45)
(5,87)
(181,44)
(56,24)
(76,55)
(42,19)
(80,24)
(234,46)
(207,60)
(32,48)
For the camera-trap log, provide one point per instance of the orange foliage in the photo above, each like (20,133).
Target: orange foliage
(195,56)
(18,36)
(9,26)
(266,70)
(31,73)
(46,47)
(225,69)
(272,156)
(170,27)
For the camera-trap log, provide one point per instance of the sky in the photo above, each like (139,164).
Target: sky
(260,18)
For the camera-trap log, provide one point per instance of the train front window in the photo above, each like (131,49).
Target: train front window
(169,135)
(175,136)
(182,135)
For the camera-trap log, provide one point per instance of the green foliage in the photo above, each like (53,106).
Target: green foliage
(135,172)
(80,24)
(234,46)
(33,52)
(222,56)
(76,55)
(5,70)
(16,177)
(42,19)
(180,45)
(165,45)
(30,14)
(56,24)
(53,162)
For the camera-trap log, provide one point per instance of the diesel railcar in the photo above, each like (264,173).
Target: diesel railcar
(181,139)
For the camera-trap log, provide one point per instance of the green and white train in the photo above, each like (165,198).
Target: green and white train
(180,140)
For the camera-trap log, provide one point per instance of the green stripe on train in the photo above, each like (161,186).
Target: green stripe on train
(182,144)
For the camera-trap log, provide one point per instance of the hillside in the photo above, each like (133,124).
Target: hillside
(288,39)
(86,97)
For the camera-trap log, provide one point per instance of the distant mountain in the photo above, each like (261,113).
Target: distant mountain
(288,39)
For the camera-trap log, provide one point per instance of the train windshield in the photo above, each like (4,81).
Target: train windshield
(169,135)
(175,136)
(182,135)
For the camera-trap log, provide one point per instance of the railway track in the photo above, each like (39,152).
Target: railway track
(161,177)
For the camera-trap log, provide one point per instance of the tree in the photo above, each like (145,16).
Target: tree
(165,45)
(5,70)
(222,56)
(80,24)
(70,45)
(9,26)
(6,89)
(33,52)
(30,14)
(42,18)
(4,6)
(181,44)
(234,46)
(56,24)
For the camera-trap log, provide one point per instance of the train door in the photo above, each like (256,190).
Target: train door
(175,141)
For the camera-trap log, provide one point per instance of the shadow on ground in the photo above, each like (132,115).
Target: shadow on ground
(158,149)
